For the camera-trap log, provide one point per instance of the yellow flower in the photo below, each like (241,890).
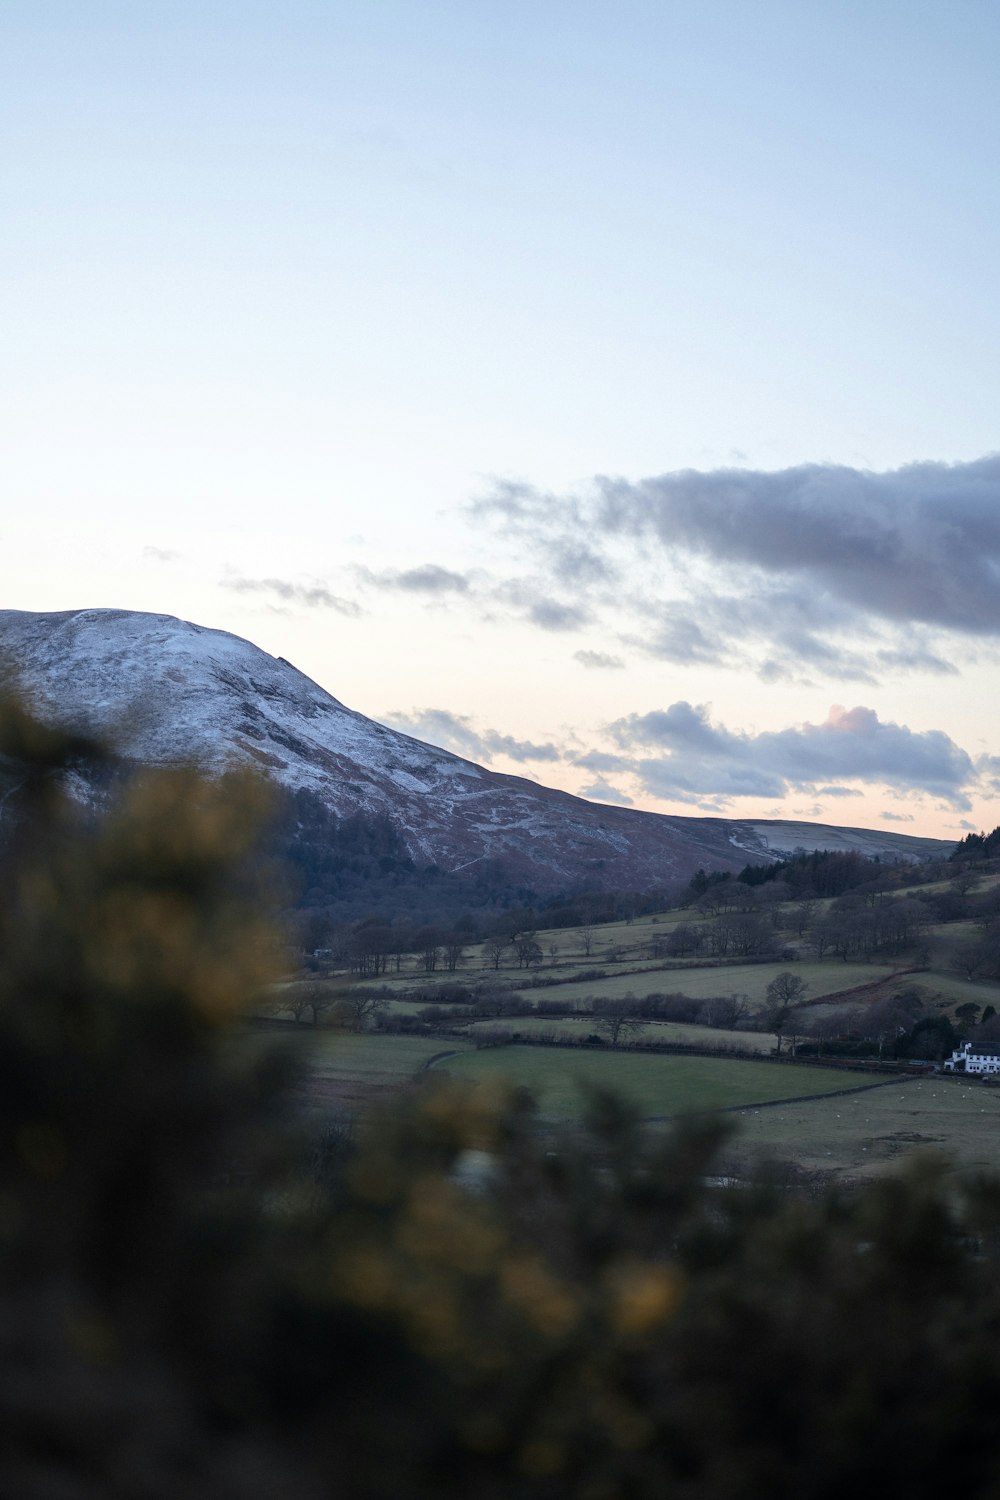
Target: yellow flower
(643,1295)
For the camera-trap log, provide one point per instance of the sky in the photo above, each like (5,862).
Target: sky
(608,394)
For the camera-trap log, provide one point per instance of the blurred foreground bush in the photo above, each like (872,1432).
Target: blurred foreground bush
(202,1294)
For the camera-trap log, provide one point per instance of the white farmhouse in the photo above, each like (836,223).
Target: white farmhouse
(974,1057)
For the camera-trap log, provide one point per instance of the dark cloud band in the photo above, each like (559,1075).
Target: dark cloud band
(813,571)
(313,596)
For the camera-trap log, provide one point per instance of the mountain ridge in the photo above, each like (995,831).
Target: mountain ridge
(166,691)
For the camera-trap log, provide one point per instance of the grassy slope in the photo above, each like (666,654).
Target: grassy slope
(953,988)
(657,1085)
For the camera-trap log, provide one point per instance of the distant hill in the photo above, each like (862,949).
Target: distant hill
(779,838)
(169,692)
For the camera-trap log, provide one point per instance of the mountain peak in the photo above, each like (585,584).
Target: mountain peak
(167,691)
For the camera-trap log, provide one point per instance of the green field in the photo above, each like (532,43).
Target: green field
(698,982)
(347,1074)
(372,1055)
(954,989)
(575,1028)
(703,983)
(940,991)
(851,1136)
(870,1134)
(657,1085)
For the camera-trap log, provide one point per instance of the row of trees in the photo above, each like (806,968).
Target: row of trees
(373,946)
(854,927)
(362,862)
(976,847)
(828,873)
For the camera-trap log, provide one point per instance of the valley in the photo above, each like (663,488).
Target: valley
(445,918)
(697,1036)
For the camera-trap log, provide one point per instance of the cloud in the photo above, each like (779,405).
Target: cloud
(457,732)
(534,598)
(678,780)
(676,636)
(516,502)
(451,731)
(601,760)
(920,543)
(698,757)
(161,554)
(573,562)
(891,817)
(988,767)
(915,660)
(600,791)
(779,572)
(432,579)
(597,660)
(429,578)
(803,649)
(551,615)
(505,744)
(313,596)
(678,727)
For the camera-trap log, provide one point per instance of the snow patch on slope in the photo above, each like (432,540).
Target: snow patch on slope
(166,691)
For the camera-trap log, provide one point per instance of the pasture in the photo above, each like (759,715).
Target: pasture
(576,1028)
(872,1133)
(719,979)
(348,1071)
(939,990)
(955,990)
(658,1085)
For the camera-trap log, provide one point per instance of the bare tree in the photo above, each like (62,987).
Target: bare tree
(786,989)
(454,953)
(428,942)
(802,914)
(727,1011)
(358,1010)
(369,946)
(615,1020)
(686,937)
(774,1018)
(587,937)
(887,1019)
(495,951)
(830,1028)
(743,934)
(311,998)
(528,950)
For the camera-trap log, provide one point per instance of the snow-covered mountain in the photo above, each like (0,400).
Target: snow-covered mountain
(166,691)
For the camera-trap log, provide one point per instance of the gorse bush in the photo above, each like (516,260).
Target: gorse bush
(206,1292)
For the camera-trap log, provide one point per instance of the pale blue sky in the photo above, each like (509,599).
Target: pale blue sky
(285,288)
